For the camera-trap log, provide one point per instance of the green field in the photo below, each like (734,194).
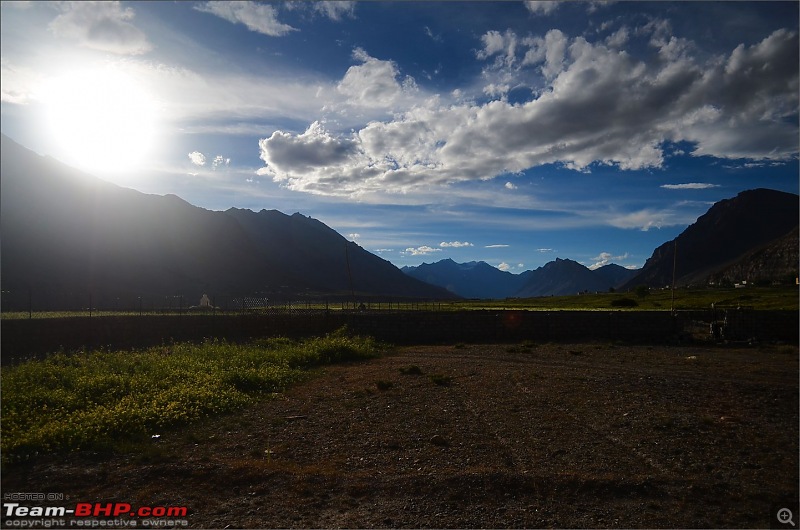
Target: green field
(99,400)
(764,298)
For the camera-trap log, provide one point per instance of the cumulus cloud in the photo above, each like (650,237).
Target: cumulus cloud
(197,158)
(601,105)
(504,45)
(618,38)
(504,266)
(605,258)
(421,251)
(455,244)
(261,18)
(314,154)
(374,83)
(690,186)
(510,186)
(104,26)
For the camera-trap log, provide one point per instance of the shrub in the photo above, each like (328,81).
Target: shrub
(411,370)
(624,302)
(441,380)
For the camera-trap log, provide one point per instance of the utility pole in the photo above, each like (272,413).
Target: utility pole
(349,274)
(674,265)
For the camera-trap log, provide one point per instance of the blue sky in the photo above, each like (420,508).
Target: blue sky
(508,132)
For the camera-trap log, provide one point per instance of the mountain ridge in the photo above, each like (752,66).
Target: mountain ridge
(481,280)
(68,232)
(728,231)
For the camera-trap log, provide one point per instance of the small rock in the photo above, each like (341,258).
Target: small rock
(438,439)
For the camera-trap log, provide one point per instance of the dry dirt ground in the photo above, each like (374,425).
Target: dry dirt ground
(558,435)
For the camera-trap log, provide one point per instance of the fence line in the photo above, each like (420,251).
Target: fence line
(91,304)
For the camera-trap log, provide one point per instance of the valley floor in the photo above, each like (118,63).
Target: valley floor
(556,435)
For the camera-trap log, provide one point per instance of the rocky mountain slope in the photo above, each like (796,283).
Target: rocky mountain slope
(730,230)
(67,232)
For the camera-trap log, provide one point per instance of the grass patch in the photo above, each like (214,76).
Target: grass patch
(383,386)
(99,399)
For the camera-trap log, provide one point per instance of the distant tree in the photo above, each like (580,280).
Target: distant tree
(642,291)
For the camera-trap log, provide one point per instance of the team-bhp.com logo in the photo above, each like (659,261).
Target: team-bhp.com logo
(93,514)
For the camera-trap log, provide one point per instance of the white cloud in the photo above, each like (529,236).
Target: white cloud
(601,106)
(354,236)
(374,83)
(104,26)
(219,160)
(504,266)
(541,7)
(690,186)
(647,218)
(421,251)
(605,258)
(197,158)
(510,186)
(544,250)
(618,38)
(455,244)
(261,18)
(497,246)
(335,10)
(502,44)
(312,153)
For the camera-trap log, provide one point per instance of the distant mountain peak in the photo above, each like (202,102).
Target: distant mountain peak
(478,279)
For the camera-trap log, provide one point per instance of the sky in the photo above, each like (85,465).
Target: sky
(508,132)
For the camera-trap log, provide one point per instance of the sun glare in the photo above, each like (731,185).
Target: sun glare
(100,120)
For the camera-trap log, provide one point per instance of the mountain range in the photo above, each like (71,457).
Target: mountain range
(752,237)
(478,279)
(64,231)
(68,232)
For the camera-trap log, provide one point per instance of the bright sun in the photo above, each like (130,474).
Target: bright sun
(101,120)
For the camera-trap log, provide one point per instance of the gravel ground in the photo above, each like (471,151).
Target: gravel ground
(478,436)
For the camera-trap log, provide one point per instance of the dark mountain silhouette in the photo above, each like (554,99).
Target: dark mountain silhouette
(481,280)
(561,277)
(476,279)
(64,231)
(325,260)
(615,275)
(726,233)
